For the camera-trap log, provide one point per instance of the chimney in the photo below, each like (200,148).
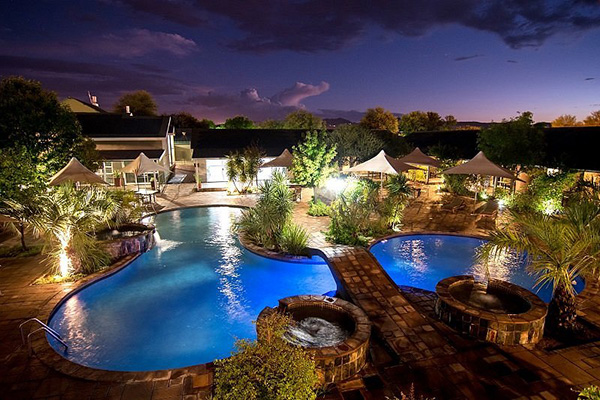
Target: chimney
(93,99)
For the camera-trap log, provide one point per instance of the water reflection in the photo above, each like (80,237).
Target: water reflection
(230,287)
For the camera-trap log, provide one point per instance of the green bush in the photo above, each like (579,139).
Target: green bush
(293,240)
(355,214)
(544,193)
(316,208)
(264,223)
(590,393)
(270,368)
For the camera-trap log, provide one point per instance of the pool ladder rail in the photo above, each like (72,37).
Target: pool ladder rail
(43,327)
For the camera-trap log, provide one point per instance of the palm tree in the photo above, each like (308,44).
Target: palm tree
(69,217)
(22,211)
(559,248)
(398,193)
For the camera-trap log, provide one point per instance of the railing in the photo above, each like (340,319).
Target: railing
(43,327)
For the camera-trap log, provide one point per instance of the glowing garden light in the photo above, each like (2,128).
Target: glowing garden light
(336,185)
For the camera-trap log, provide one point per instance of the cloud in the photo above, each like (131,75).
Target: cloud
(512,61)
(464,58)
(249,102)
(589,79)
(74,78)
(180,11)
(294,95)
(316,25)
(129,43)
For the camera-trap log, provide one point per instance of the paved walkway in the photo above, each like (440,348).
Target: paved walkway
(413,347)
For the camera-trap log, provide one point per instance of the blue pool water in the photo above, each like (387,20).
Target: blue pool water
(184,302)
(423,260)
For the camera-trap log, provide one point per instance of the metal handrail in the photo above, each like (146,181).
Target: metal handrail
(43,327)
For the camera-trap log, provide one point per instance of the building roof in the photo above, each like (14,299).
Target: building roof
(218,143)
(80,106)
(110,155)
(97,125)
(573,147)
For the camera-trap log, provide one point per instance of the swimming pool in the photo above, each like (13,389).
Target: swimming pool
(184,302)
(423,260)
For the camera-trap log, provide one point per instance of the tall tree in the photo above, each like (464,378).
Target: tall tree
(513,142)
(271,124)
(312,162)
(302,119)
(238,122)
(140,103)
(187,120)
(38,136)
(565,120)
(380,118)
(417,121)
(593,119)
(354,143)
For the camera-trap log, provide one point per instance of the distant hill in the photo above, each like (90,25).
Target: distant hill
(333,123)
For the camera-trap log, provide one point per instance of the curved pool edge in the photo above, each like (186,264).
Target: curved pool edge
(53,359)
(590,289)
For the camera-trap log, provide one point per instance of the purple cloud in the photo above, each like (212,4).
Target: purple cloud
(464,58)
(130,43)
(249,103)
(315,25)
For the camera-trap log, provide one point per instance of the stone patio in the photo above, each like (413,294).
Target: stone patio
(412,347)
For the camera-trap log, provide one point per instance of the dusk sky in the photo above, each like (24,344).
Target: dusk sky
(476,59)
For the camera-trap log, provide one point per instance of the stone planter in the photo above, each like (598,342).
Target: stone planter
(139,239)
(513,316)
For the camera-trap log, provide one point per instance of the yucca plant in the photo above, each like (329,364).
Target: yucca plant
(264,222)
(559,249)
(293,239)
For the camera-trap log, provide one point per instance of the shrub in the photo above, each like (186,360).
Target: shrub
(270,368)
(293,239)
(264,223)
(351,214)
(590,393)
(317,208)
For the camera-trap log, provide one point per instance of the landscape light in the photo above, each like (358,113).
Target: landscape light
(336,185)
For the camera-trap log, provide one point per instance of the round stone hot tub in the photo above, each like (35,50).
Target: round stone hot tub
(501,313)
(335,332)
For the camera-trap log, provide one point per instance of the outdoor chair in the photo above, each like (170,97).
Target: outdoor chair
(489,208)
(454,205)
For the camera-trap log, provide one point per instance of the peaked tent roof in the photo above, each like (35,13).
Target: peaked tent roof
(382,163)
(480,165)
(419,158)
(75,171)
(142,164)
(284,160)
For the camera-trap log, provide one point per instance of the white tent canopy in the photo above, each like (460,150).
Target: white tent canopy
(480,165)
(142,165)
(417,157)
(381,163)
(284,160)
(75,171)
